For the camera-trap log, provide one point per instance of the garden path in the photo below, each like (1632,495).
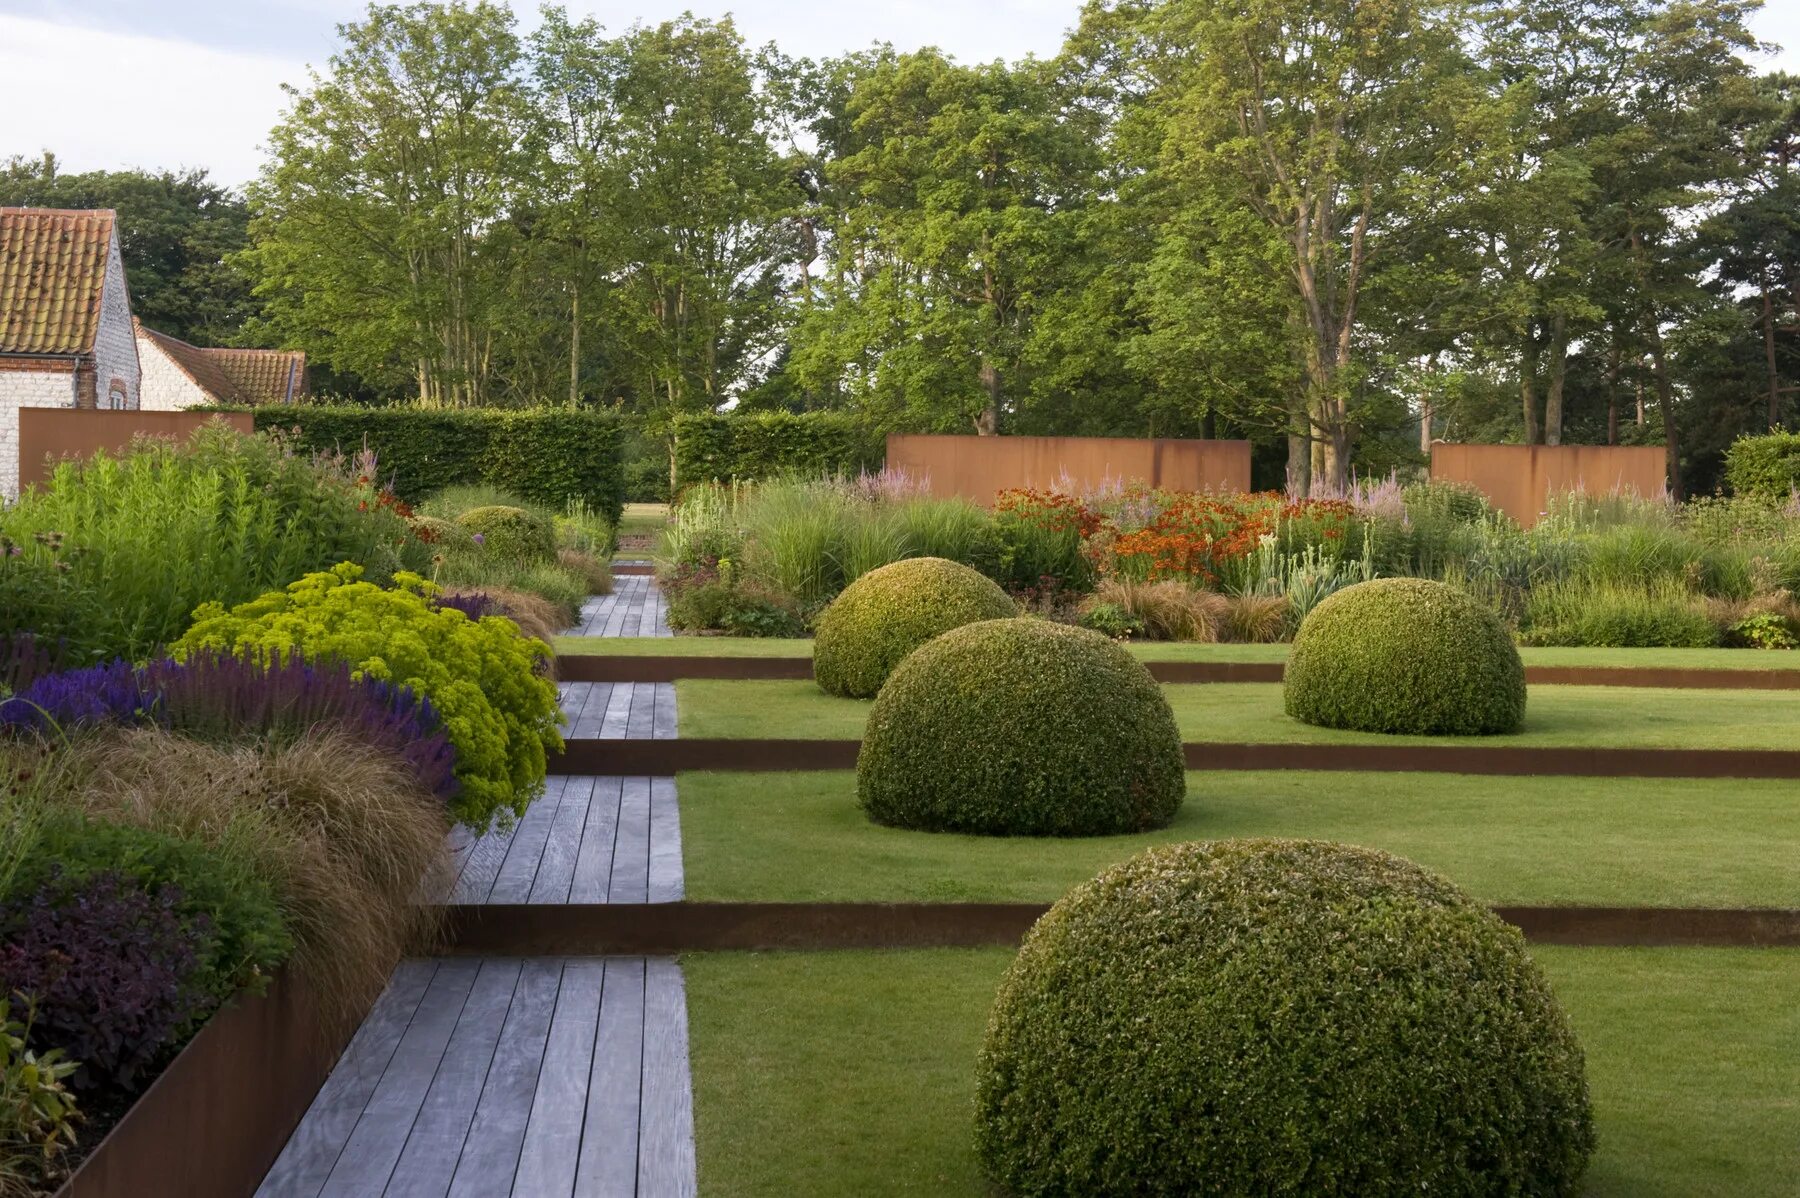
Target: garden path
(530,1076)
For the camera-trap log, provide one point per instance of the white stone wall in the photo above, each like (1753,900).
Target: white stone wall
(166,387)
(26,389)
(115,343)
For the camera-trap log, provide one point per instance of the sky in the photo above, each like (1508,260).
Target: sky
(197,83)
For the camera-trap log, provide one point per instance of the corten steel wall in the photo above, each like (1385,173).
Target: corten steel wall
(49,434)
(1519,479)
(976,467)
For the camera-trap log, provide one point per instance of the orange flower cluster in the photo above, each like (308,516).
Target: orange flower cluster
(1050,509)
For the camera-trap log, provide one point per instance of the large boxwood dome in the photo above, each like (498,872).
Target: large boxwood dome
(1021,727)
(889,612)
(511,532)
(1405,655)
(1278,1017)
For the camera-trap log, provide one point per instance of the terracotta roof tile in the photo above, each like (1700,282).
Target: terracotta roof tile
(52,273)
(236,376)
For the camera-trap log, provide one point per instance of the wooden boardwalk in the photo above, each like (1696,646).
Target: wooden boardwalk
(619,710)
(635,608)
(524,1077)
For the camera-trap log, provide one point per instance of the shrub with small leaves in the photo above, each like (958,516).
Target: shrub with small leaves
(1278,1017)
(514,533)
(1021,727)
(37,1112)
(1405,655)
(889,612)
(484,679)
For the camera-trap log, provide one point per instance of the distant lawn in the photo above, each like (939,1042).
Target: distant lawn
(852,1073)
(1627,717)
(1599,842)
(740,646)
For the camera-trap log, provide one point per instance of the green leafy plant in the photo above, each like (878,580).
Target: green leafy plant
(887,613)
(1618,615)
(1765,466)
(1021,727)
(1111,620)
(1278,1017)
(513,533)
(484,678)
(1764,630)
(38,1115)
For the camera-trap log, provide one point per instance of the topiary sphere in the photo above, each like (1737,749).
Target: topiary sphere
(1278,1017)
(511,532)
(446,536)
(1021,727)
(1409,656)
(889,612)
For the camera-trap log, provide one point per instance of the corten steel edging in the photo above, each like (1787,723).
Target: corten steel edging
(661,928)
(655,758)
(633,568)
(601,667)
(213,1123)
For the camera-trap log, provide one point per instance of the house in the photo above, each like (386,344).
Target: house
(65,320)
(178,375)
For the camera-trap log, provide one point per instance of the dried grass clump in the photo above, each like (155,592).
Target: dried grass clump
(1169,610)
(1256,619)
(535,615)
(343,830)
(597,573)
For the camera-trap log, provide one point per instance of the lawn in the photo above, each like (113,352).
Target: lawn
(1560,716)
(1648,842)
(741,646)
(851,1073)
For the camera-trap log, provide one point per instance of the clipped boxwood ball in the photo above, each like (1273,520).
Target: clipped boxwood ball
(889,612)
(1405,655)
(1278,1017)
(511,532)
(1021,727)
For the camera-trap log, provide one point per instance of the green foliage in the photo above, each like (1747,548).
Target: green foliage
(1405,655)
(1112,620)
(37,1112)
(513,533)
(750,447)
(1021,727)
(735,608)
(1764,467)
(1765,630)
(145,538)
(1618,615)
(484,678)
(545,456)
(1281,1017)
(887,613)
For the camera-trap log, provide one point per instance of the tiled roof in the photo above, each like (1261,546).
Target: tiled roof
(236,376)
(52,273)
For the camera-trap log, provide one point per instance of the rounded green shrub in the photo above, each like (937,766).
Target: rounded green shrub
(1278,1017)
(889,612)
(444,536)
(515,533)
(1021,727)
(1405,655)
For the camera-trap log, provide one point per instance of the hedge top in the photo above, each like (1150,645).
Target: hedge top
(1278,1017)
(890,611)
(1405,655)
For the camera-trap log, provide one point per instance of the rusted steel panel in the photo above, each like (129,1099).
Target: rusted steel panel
(1520,479)
(975,468)
(47,435)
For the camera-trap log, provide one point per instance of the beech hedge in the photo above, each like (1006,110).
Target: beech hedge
(726,447)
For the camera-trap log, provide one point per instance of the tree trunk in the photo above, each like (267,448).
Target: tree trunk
(1612,394)
(1299,461)
(1528,367)
(1553,391)
(1768,307)
(575,347)
(987,424)
(1425,427)
(1665,401)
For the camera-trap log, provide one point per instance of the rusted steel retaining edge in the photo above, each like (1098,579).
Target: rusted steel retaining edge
(603,667)
(634,568)
(215,1120)
(634,928)
(657,758)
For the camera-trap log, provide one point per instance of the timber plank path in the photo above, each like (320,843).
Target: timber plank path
(531,1076)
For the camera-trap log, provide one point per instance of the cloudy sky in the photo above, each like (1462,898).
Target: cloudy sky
(174,83)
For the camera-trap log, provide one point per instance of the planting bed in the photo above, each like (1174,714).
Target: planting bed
(853,1072)
(800,837)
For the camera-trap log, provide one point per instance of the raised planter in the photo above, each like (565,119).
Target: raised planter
(215,1120)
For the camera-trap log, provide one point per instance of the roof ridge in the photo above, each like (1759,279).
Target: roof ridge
(30,210)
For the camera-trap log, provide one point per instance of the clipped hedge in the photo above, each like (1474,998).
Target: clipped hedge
(545,455)
(1405,655)
(722,447)
(888,612)
(1764,467)
(1278,1017)
(511,532)
(1021,727)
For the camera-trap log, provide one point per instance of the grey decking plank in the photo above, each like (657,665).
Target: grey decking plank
(556,869)
(593,864)
(306,1161)
(517,873)
(428,1162)
(587,721)
(618,711)
(663,722)
(666,1138)
(640,720)
(553,1136)
(609,1142)
(368,1159)
(630,881)
(490,1155)
(665,881)
(481,866)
